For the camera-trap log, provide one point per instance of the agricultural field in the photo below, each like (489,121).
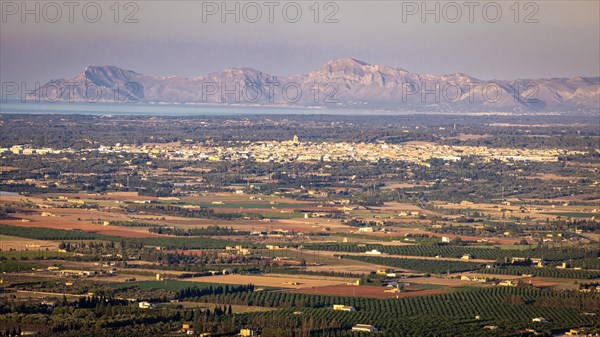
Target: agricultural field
(512,309)
(236,309)
(12,243)
(368,291)
(419,265)
(274,280)
(153,242)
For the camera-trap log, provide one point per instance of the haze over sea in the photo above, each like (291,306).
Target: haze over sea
(18,107)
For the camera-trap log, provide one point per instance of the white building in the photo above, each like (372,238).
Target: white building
(364,328)
(145,305)
(341,307)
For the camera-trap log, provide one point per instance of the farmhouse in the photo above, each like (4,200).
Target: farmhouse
(341,307)
(507,283)
(364,328)
(373,252)
(576,332)
(71,272)
(145,305)
(186,329)
(466,257)
(248,332)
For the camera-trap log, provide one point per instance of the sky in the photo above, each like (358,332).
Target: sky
(189,38)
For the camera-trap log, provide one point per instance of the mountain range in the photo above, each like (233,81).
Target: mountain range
(340,83)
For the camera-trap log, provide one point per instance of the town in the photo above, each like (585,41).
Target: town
(294,150)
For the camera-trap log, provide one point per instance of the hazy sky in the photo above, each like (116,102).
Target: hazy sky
(170,37)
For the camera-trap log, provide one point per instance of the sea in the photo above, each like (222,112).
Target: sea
(83,108)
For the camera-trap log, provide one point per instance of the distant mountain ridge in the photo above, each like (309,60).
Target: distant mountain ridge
(340,83)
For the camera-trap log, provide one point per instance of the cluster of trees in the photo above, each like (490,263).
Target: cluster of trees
(208,231)
(206,260)
(360,223)
(562,224)
(5,211)
(202,212)
(549,254)
(196,291)
(128,249)
(543,272)
(491,228)
(93,301)
(302,271)
(10,266)
(185,242)
(589,286)
(132,223)
(100,320)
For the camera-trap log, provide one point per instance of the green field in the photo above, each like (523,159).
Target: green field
(174,285)
(16,266)
(33,255)
(573,214)
(278,215)
(42,233)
